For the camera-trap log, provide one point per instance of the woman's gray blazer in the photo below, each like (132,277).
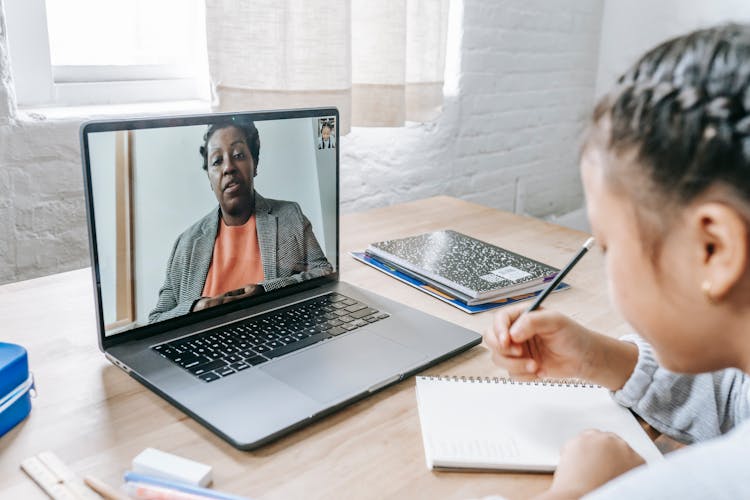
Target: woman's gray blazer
(288,249)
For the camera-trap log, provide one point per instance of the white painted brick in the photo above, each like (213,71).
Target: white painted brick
(50,254)
(7,242)
(502,197)
(43,140)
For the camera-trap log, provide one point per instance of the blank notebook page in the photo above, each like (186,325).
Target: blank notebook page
(498,423)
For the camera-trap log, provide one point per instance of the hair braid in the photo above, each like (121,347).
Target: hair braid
(685,108)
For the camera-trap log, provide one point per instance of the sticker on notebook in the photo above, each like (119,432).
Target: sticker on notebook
(511,273)
(492,278)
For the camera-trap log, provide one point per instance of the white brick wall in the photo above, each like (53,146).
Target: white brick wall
(42,214)
(42,217)
(508,139)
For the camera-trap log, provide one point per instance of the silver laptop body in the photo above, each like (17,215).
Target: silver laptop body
(148,196)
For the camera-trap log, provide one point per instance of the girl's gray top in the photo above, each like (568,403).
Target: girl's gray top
(708,411)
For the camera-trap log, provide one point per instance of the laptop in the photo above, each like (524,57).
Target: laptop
(216,269)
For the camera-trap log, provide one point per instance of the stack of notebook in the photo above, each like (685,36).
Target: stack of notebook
(463,271)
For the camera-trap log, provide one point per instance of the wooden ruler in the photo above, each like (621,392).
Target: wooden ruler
(55,478)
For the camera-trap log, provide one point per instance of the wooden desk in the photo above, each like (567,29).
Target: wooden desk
(96,418)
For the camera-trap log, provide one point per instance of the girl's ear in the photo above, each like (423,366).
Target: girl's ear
(722,237)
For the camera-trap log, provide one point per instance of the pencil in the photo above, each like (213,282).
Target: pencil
(585,248)
(104,490)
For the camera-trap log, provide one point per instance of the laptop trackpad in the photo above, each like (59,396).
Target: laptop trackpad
(343,368)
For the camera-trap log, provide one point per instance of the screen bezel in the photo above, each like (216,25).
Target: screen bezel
(150,330)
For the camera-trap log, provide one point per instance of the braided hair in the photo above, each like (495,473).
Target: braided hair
(683,110)
(248,130)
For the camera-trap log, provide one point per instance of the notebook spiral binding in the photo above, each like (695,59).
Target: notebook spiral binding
(552,382)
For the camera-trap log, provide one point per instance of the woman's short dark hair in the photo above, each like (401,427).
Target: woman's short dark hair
(247,127)
(684,110)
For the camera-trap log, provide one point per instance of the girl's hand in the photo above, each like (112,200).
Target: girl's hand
(548,344)
(541,343)
(588,461)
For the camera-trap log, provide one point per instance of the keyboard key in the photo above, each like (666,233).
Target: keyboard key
(177,344)
(209,377)
(312,339)
(349,326)
(355,307)
(358,323)
(188,360)
(168,352)
(346,319)
(274,344)
(334,297)
(233,358)
(367,311)
(349,302)
(239,366)
(225,372)
(261,349)
(255,360)
(207,367)
(382,315)
(336,330)
(335,322)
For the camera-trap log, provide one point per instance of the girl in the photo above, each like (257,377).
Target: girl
(666,171)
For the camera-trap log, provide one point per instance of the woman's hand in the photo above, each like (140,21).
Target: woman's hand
(232,295)
(545,343)
(588,461)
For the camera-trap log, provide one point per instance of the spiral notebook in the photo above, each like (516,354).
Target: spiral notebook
(505,424)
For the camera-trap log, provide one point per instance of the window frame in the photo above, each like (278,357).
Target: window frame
(38,83)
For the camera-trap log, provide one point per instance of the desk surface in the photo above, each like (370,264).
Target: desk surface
(96,418)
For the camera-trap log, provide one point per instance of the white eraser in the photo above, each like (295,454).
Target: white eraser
(157,463)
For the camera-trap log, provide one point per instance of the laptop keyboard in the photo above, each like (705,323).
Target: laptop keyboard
(228,349)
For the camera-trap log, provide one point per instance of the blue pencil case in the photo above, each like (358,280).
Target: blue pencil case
(16,386)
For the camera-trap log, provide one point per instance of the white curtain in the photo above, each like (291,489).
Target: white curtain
(380,62)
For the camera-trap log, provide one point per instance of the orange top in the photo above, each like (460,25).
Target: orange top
(236,259)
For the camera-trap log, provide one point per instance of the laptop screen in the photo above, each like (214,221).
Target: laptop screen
(192,214)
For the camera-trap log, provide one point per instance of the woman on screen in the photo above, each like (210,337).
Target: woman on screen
(248,245)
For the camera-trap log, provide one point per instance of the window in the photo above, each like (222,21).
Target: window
(78,52)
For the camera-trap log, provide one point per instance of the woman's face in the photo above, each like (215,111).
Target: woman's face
(231,170)
(660,297)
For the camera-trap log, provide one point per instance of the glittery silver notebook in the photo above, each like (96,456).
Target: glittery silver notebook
(470,266)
